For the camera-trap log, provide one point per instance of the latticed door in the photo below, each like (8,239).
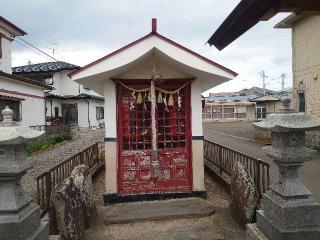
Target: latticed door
(173,141)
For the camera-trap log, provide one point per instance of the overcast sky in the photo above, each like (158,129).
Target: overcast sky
(89,29)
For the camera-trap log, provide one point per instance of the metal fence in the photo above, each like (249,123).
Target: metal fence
(52,129)
(49,180)
(223,158)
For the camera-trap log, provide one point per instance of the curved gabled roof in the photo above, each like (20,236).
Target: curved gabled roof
(163,38)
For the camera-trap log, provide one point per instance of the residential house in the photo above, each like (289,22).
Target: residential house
(305,67)
(305,62)
(245,105)
(69,102)
(229,108)
(24,96)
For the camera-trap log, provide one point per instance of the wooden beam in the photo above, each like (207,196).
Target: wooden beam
(298,6)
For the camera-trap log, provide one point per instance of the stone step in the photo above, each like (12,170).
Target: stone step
(157,210)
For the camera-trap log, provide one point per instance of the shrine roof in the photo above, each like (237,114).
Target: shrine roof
(163,38)
(157,49)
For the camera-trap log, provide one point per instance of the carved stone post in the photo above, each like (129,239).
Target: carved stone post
(19,218)
(289,210)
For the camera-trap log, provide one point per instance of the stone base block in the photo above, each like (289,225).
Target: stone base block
(253,233)
(289,213)
(20,225)
(275,232)
(41,233)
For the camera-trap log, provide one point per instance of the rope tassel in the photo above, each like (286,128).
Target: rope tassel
(149,96)
(170,101)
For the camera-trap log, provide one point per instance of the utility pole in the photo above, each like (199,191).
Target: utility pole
(263,76)
(283,76)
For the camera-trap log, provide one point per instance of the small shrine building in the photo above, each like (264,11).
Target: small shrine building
(153,117)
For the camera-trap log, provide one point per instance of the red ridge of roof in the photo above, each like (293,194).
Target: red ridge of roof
(12,25)
(163,38)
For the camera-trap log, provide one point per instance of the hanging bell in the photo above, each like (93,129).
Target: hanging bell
(179,101)
(170,101)
(139,99)
(160,100)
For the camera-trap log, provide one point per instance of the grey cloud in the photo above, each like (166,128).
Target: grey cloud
(107,24)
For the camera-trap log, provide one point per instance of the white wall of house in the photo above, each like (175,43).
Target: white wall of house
(50,106)
(5,59)
(65,86)
(33,105)
(85,106)
(82,105)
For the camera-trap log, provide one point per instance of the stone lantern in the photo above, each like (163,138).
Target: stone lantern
(19,217)
(289,211)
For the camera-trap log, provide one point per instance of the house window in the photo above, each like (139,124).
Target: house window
(302,102)
(100,113)
(13,105)
(206,112)
(56,112)
(261,112)
(48,80)
(228,112)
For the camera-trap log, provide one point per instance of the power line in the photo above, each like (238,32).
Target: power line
(28,47)
(37,49)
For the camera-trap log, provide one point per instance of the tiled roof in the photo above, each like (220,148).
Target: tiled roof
(44,67)
(25,80)
(235,98)
(267,98)
(80,96)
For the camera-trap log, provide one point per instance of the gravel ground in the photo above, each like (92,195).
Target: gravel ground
(47,158)
(218,226)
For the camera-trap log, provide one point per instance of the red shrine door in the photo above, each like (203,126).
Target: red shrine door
(134,148)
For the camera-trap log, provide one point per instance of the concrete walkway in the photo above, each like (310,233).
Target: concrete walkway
(309,173)
(157,210)
(217,226)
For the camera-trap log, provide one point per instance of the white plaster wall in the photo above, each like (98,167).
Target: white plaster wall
(93,113)
(83,114)
(66,86)
(110,111)
(33,109)
(5,60)
(196,108)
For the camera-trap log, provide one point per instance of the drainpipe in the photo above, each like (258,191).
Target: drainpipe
(51,107)
(88,114)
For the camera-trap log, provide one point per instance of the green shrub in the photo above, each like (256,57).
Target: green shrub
(43,144)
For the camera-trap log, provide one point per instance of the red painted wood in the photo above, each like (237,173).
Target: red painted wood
(154,25)
(134,149)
